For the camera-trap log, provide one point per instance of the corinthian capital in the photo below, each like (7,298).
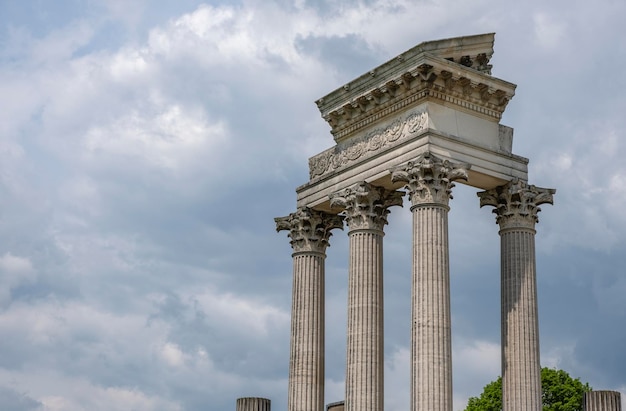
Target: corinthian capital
(309,230)
(516,203)
(366,206)
(430,179)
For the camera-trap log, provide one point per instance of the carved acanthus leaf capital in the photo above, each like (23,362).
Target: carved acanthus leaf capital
(429,179)
(516,203)
(366,206)
(309,230)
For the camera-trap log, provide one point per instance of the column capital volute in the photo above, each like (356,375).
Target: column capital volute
(429,179)
(366,206)
(516,203)
(309,230)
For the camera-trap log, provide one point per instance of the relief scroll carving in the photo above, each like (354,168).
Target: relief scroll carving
(349,152)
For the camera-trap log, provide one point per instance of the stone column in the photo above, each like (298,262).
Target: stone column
(366,210)
(602,401)
(309,231)
(429,183)
(253,404)
(516,206)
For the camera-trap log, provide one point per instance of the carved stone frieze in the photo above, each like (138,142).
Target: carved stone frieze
(366,206)
(430,179)
(516,203)
(376,140)
(309,230)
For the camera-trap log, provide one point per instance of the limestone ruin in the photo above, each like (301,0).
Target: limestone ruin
(414,125)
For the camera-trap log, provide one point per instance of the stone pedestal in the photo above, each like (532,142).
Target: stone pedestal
(516,209)
(602,401)
(253,404)
(429,183)
(309,231)
(366,209)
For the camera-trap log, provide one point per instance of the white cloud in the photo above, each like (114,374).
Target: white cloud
(60,45)
(14,271)
(247,316)
(589,178)
(559,356)
(169,138)
(128,65)
(563,162)
(81,396)
(172,354)
(549,31)
(128,11)
(397,380)
(15,265)
(475,364)
(92,345)
(481,357)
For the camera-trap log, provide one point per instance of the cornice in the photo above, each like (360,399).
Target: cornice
(416,76)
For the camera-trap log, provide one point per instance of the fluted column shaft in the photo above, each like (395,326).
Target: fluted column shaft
(602,401)
(516,208)
(309,233)
(521,368)
(366,209)
(429,183)
(365,362)
(253,404)
(431,347)
(306,365)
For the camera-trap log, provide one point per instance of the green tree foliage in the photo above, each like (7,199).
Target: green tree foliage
(559,392)
(489,400)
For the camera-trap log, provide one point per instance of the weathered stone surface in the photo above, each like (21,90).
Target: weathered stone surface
(366,208)
(335,406)
(253,404)
(368,144)
(516,207)
(429,179)
(309,231)
(396,139)
(438,97)
(602,401)
(516,203)
(421,121)
(429,182)
(439,70)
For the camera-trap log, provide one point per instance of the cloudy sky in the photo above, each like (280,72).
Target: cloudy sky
(146,146)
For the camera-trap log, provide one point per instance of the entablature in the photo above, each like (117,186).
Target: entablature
(489,168)
(452,72)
